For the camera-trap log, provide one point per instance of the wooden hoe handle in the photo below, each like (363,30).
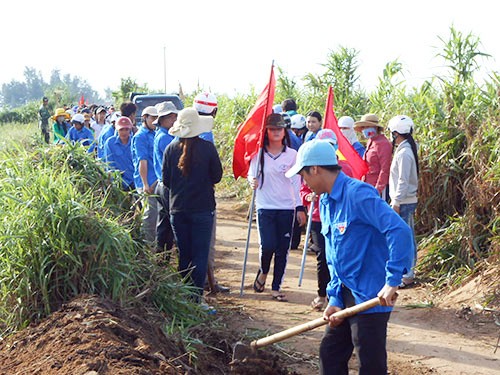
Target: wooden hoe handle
(290,332)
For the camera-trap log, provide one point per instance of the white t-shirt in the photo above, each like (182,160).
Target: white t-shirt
(97,129)
(277,192)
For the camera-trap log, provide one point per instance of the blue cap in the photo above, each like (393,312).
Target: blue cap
(316,152)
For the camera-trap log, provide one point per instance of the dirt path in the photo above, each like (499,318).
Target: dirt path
(423,340)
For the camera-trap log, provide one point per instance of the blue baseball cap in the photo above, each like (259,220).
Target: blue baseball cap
(316,152)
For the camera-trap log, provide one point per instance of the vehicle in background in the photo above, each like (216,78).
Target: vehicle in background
(144,100)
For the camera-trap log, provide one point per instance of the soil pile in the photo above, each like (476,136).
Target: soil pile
(91,336)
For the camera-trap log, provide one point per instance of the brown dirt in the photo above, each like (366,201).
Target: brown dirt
(428,333)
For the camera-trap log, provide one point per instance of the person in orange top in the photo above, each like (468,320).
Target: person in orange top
(378,153)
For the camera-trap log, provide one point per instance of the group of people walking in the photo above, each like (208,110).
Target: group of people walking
(176,193)
(362,231)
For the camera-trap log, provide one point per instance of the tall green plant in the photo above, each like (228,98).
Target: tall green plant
(67,229)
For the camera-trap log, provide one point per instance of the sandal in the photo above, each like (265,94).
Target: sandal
(258,287)
(318,303)
(280,297)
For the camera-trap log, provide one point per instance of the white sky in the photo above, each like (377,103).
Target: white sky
(228,46)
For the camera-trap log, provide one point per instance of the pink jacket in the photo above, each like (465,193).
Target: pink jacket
(378,155)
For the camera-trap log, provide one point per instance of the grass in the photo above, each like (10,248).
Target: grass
(66,230)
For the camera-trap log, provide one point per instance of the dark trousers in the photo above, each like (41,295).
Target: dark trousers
(365,333)
(164,233)
(275,228)
(192,232)
(322,272)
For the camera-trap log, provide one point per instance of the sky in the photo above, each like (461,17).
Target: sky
(228,46)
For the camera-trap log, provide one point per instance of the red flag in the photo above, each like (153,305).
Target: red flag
(82,101)
(250,134)
(346,151)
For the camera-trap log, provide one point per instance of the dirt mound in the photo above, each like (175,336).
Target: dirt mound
(91,336)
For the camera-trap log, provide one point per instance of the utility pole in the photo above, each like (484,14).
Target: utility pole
(165,69)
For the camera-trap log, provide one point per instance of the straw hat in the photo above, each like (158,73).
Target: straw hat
(190,124)
(367,120)
(61,112)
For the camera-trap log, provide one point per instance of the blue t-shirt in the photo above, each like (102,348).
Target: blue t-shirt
(207,136)
(119,157)
(295,141)
(83,136)
(142,149)
(367,243)
(162,140)
(107,132)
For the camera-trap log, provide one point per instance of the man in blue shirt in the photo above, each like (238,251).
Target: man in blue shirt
(144,174)
(167,114)
(368,249)
(80,134)
(118,152)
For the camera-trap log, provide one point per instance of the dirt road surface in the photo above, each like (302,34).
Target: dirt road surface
(424,336)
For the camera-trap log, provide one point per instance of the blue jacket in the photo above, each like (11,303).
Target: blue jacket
(119,157)
(83,136)
(367,243)
(142,149)
(162,140)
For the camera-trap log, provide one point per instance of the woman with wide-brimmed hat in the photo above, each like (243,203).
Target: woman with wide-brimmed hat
(60,126)
(191,167)
(378,153)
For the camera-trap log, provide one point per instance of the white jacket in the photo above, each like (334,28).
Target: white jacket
(403,179)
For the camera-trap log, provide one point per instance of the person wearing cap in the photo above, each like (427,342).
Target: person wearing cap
(118,152)
(289,109)
(277,199)
(144,173)
(378,153)
(44,116)
(167,114)
(317,240)
(78,133)
(60,126)
(129,109)
(100,121)
(299,126)
(191,168)
(314,124)
(346,126)
(295,141)
(206,105)
(403,180)
(368,249)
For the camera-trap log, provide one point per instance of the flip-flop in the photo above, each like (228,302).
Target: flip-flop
(258,287)
(280,297)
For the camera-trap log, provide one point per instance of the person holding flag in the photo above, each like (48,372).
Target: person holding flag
(277,200)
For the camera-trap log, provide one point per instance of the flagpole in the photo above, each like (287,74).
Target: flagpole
(306,241)
(252,204)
